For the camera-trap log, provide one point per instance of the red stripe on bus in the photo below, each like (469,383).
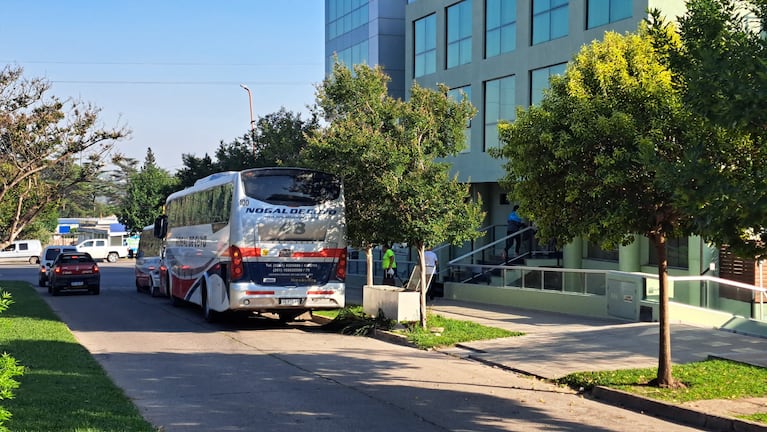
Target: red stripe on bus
(325,253)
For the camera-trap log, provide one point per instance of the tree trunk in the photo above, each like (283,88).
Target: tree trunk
(664,378)
(422,275)
(369,264)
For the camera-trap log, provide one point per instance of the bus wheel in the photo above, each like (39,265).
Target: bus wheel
(209,314)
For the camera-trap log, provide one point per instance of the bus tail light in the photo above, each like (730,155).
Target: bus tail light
(237,269)
(341,266)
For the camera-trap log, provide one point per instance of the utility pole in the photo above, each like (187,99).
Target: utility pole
(252,120)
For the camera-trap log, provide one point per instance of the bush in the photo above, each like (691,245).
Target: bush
(9,368)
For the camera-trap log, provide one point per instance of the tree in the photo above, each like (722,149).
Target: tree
(47,149)
(277,141)
(281,136)
(719,54)
(146,192)
(385,152)
(593,159)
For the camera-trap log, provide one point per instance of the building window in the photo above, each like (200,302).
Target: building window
(499,105)
(458,94)
(459,34)
(353,55)
(595,252)
(425,33)
(345,16)
(549,20)
(676,253)
(539,81)
(501,27)
(601,12)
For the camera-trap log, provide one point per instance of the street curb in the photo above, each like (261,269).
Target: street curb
(675,413)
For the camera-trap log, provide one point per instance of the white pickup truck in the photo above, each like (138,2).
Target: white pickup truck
(100,249)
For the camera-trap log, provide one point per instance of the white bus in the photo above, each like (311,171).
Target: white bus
(260,240)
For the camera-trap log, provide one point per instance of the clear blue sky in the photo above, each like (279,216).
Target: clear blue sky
(170,70)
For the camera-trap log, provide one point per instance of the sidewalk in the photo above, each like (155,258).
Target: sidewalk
(555,345)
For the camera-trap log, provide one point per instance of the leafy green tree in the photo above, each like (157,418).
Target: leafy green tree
(277,141)
(720,55)
(593,159)
(9,369)
(103,194)
(145,195)
(281,136)
(194,169)
(47,149)
(385,152)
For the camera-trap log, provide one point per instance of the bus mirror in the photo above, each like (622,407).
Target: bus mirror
(161,226)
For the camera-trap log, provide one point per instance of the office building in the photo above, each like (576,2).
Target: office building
(370,32)
(500,54)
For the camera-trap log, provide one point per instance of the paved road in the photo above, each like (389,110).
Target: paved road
(187,375)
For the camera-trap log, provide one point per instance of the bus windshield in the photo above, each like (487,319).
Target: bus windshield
(291,187)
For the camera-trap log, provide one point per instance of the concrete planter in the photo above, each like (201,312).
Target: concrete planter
(395,303)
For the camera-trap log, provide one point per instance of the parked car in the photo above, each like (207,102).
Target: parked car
(46,260)
(148,263)
(148,275)
(22,251)
(100,249)
(74,271)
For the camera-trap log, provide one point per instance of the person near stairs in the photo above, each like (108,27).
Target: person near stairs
(514,223)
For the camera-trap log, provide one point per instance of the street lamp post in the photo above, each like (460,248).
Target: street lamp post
(252,120)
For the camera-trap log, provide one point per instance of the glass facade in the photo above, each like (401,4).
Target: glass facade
(459,34)
(500,27)
(354,55)
(458,94)
(539,80)
(499,105)
(550,20)
(344,16)
(601,12)
(425,52)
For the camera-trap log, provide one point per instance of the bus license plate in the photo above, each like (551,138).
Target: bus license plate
(291,301)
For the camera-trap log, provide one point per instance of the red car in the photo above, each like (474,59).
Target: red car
(74,271)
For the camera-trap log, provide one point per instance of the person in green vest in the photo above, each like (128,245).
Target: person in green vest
(389,265)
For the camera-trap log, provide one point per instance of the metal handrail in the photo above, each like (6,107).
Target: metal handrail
(489,245)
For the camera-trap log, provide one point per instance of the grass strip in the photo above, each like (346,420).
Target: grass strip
(708,379)
(63,387)
(442,332)
(451,331)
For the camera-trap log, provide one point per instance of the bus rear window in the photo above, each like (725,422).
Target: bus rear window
(291,187)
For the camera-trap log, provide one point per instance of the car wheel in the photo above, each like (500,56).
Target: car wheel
(50,291)
(154,290)
(96,290)
(112,257)
(41,282)
(55,290)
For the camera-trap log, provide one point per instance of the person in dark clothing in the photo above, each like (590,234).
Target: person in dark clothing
(514,223)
